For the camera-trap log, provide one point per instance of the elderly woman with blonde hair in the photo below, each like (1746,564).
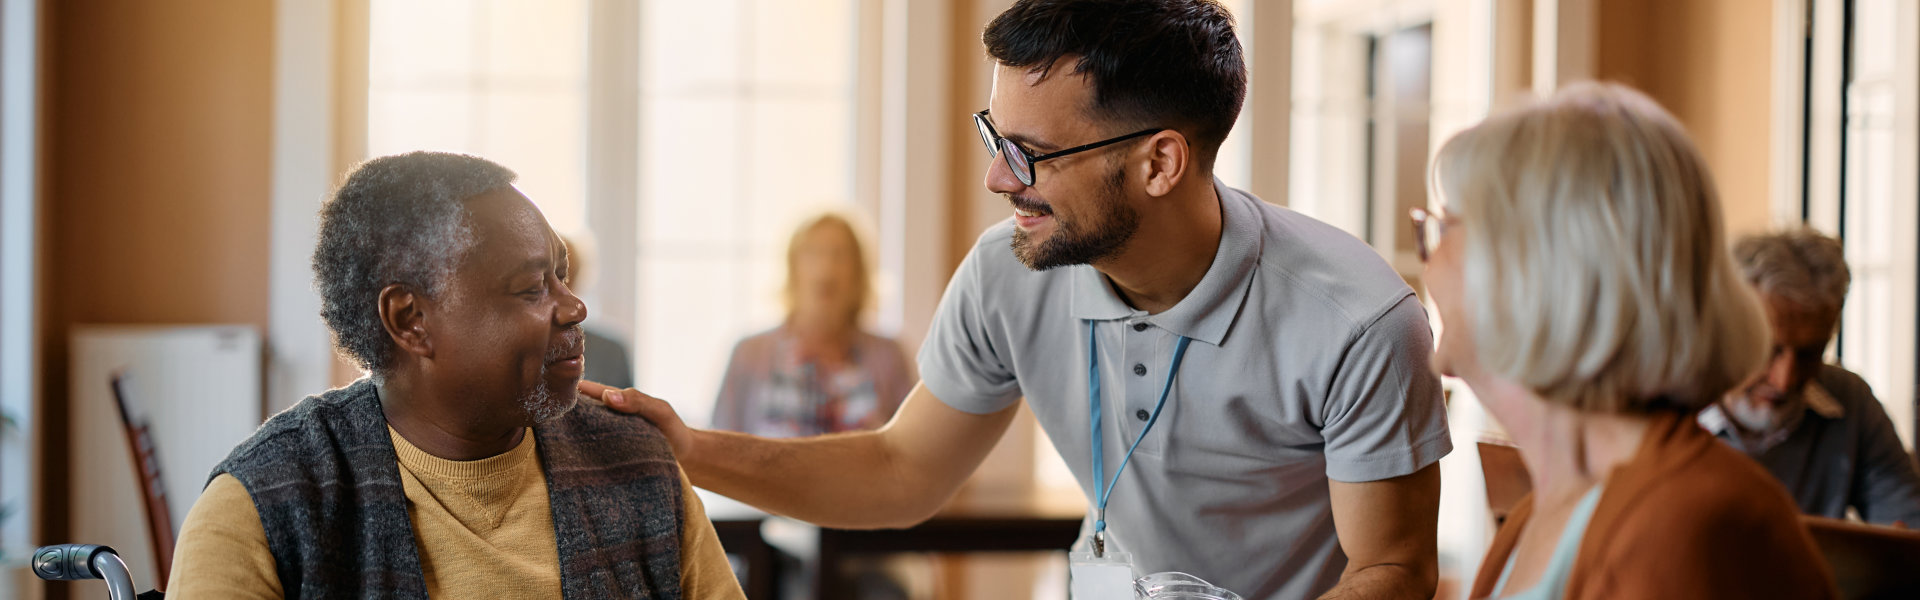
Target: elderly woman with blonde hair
(818,371)
(1578,264)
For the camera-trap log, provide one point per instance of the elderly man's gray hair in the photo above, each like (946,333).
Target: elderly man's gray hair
(398,219)
(1801,266)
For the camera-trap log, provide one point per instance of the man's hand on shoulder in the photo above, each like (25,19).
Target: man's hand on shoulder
(654,410)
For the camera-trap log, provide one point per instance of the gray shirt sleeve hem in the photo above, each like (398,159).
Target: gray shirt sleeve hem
(975,404)
(1387,466)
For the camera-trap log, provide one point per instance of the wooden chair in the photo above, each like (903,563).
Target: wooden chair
(1506,476)
(146,466)
(1868,561)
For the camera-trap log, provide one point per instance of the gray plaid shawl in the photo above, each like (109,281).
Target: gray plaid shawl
(325,480)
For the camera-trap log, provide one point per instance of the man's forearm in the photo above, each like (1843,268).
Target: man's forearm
(1381,582)
(847,480)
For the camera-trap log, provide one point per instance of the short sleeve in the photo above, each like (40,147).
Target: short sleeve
(1384,416)
(961,361)
(222,551)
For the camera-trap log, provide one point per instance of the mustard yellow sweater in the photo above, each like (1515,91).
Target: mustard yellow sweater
(483,527)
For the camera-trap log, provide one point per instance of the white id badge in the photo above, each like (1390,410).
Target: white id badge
(1109,577)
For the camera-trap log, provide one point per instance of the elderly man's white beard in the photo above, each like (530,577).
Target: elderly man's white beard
(1763,425)
(539,403)
(1754,417)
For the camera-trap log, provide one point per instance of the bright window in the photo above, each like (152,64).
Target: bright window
(746,125)
(1878,219)
(501,79)
(747,120)
(17,370)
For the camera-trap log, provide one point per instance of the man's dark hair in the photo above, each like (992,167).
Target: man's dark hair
(398,219)
(1152,63)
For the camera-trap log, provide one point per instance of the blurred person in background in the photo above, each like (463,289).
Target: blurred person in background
(817,372)
(1579,271)
(1817,427)
(611,362)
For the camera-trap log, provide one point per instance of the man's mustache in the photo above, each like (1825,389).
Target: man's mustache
(1029,204)
(573,342)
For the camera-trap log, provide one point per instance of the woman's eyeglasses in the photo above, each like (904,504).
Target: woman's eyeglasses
(1427,229)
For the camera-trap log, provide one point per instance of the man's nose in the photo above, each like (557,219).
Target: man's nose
(1783,372)
(570,310)
(1000,177)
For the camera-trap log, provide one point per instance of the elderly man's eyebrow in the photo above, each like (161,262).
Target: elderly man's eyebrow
(538,264)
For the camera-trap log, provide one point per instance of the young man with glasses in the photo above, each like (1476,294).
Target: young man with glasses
(1243,392)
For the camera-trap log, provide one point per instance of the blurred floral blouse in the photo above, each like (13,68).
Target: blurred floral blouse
(770,390)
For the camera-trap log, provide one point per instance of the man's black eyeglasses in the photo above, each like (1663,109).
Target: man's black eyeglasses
(1022,161)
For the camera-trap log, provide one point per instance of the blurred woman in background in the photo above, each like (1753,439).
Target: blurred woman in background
(1578,266)
(818,372)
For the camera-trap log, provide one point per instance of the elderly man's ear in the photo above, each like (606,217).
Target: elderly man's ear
(404,316)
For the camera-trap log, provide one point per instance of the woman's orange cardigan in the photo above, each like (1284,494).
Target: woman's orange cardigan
(1687,517)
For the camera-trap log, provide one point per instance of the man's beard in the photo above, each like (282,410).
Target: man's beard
(1761,424)
(1113,224)
(540,403)
(1763,418)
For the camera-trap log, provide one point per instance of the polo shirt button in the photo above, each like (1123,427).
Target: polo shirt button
(1141,414)
(1139,369)
(1139,326)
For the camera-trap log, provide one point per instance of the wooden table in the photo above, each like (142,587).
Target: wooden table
(1005,524)
(1868,561)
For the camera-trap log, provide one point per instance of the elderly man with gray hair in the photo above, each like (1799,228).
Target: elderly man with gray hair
(464,464)
(1817,427)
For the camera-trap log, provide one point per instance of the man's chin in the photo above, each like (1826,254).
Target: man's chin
(554,410)
(1025,249)
(561,398)
(1041,255)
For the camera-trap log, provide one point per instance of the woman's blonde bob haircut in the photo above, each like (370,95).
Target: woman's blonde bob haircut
(863,272)
(1596,273)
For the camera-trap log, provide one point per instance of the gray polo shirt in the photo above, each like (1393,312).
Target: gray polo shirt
(1308,361)
(1844,453)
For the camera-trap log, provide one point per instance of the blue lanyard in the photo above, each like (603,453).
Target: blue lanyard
(1101,494)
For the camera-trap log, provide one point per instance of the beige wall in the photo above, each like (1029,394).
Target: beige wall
(1707,61)
(158,140)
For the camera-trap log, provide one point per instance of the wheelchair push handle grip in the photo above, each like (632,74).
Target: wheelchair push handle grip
(72,562)
(68,562)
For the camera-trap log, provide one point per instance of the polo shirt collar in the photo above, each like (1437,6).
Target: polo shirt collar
(1822,402)
(1207,312)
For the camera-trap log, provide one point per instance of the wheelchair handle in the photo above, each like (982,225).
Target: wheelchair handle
(73,562)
